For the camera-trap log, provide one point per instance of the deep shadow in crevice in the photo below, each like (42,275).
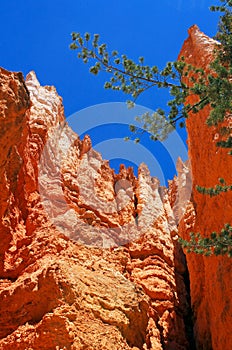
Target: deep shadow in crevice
(184,296)
(188,318)
(136,215)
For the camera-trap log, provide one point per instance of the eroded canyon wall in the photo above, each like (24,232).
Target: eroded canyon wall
(210,277)
(89,258)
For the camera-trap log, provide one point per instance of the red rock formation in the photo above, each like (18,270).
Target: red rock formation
(66,281)
(14,101)
(210,277)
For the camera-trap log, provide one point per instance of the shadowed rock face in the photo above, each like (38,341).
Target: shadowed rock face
(89,258)
(210,277)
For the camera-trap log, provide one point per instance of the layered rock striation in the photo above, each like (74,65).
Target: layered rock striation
(89,258)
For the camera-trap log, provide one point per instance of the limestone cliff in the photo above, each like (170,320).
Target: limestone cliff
(210,277)
(89,258)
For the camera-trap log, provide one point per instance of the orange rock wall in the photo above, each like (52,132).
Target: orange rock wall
(210,277)
(66,281)
(14,102)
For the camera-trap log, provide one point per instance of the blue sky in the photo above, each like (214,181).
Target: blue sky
(35,35)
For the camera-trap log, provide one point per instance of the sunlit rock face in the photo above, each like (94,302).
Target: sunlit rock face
(210,277)
(89,258)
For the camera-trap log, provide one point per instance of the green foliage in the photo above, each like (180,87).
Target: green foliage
(214,90)
(220,84)
(214,191)
(134,78)
(225,144)
(217,243)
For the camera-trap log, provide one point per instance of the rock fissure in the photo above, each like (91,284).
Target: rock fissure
(188,318)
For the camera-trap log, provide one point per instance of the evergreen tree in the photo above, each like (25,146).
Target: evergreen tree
(213,89)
